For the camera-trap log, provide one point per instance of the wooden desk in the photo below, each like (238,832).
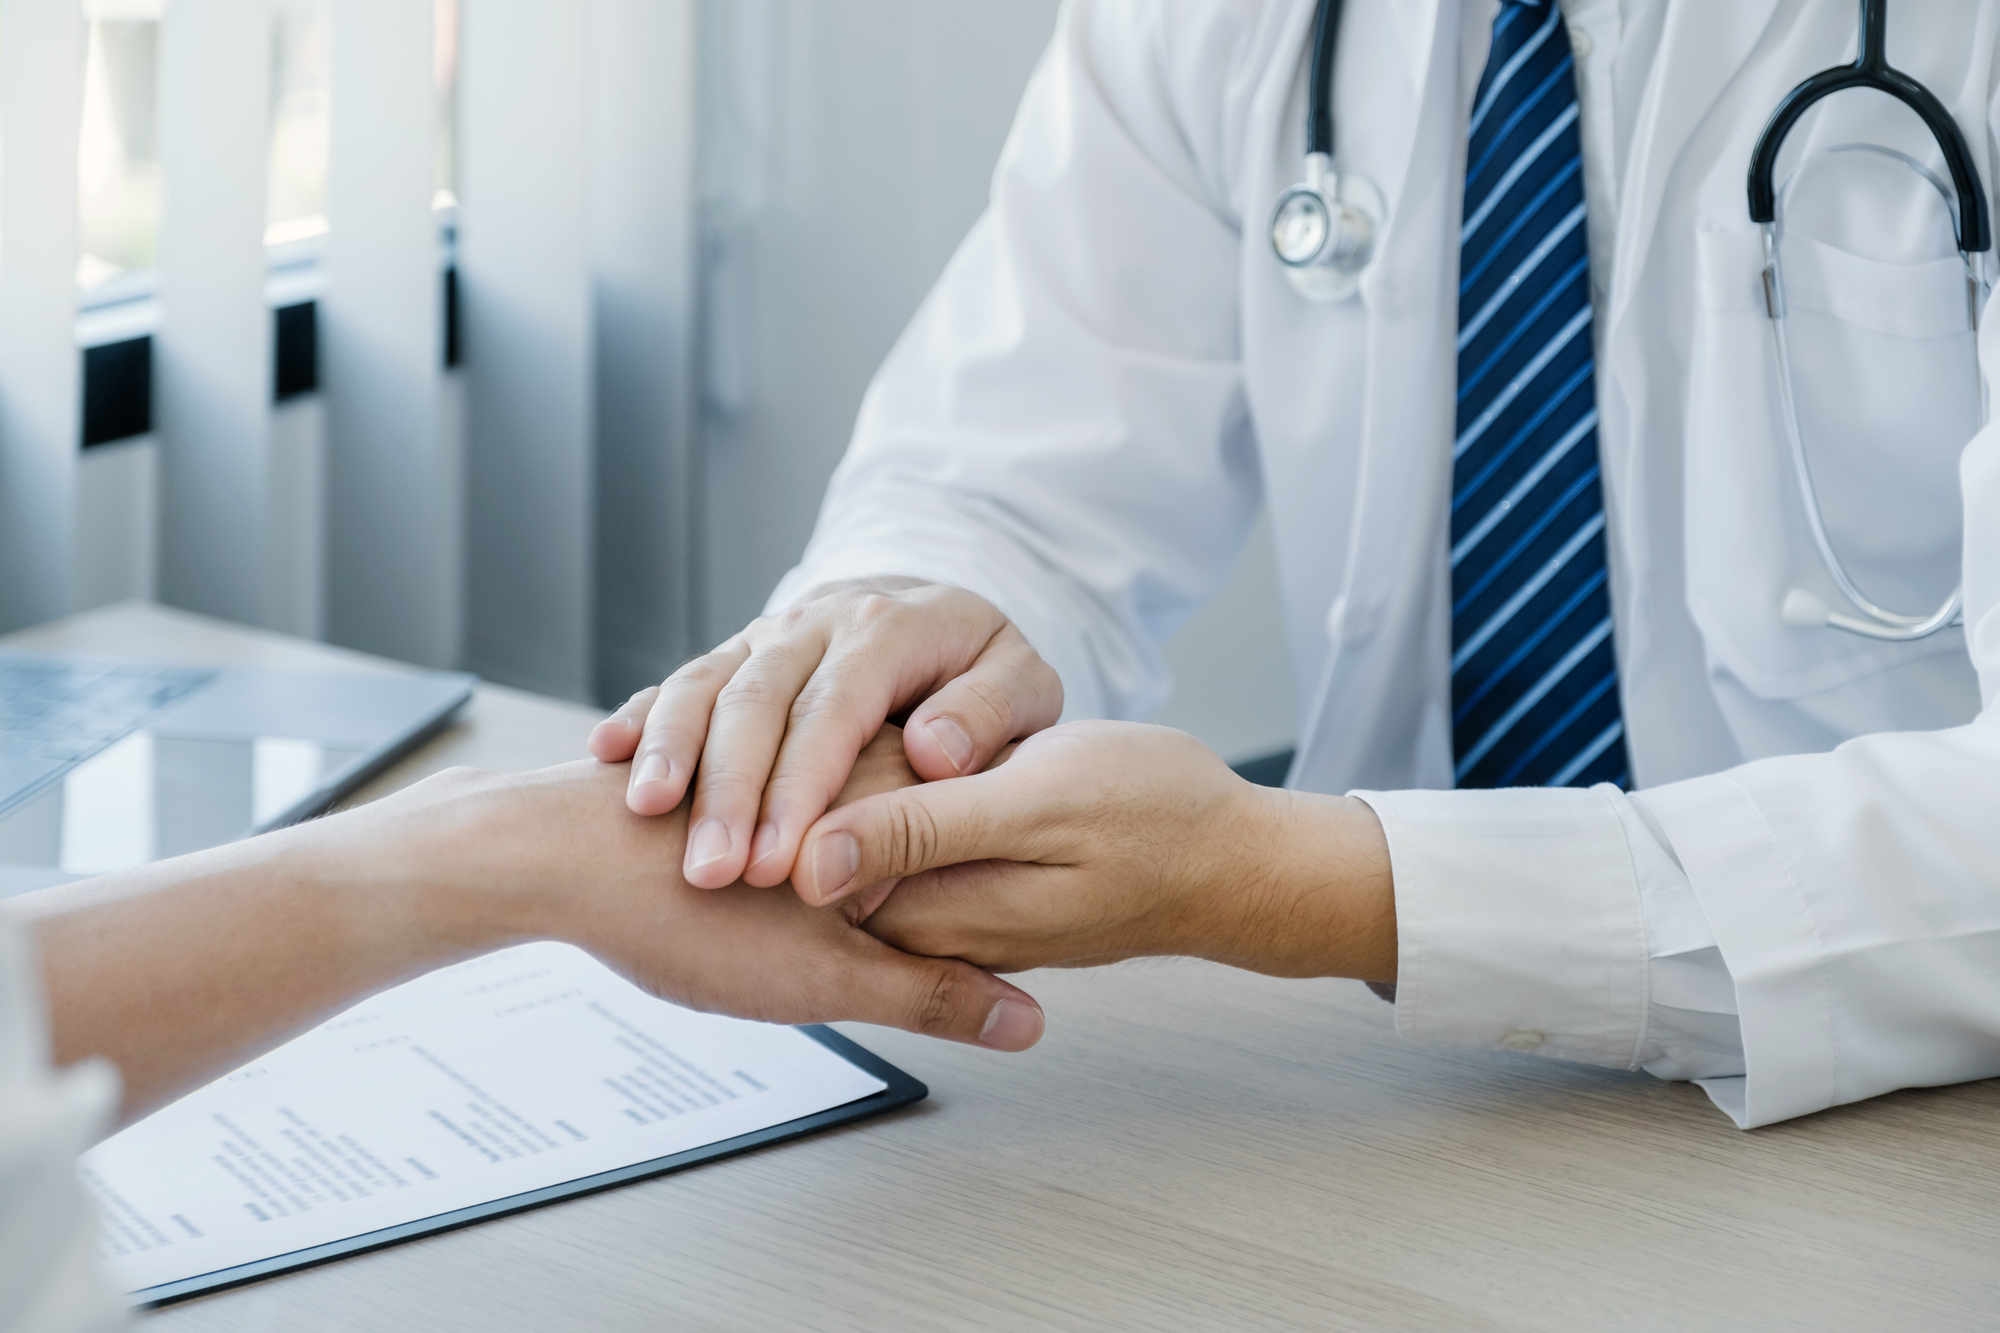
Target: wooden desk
(1192,1148)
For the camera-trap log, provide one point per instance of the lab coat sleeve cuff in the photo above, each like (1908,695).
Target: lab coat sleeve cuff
(1766,936)
(1519,923)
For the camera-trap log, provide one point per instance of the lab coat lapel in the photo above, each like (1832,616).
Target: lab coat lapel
(1374,703)
(1419,22)
(1394,121)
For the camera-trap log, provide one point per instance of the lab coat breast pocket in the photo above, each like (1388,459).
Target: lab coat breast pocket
(1887,398)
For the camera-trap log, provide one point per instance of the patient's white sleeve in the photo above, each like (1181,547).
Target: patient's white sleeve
(48,1231)
(1557,924)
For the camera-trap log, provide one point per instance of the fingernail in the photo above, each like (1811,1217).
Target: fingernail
(1012,1026)
(652,768)
(709,844)
(951,738)
(834,864)
(764,843)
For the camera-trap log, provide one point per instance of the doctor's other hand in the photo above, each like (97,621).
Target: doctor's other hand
(771,721)
(1101,841)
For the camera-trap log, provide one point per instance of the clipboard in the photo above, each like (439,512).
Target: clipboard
(902,1090)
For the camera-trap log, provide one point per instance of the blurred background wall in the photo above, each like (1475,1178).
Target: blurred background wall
(511,334)
(846,150)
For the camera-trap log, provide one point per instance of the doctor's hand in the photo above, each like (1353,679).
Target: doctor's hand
(773,719)
(1101,841)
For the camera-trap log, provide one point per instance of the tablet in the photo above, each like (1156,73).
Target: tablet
(511,1081)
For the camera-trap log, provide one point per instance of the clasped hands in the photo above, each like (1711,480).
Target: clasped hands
(825,866)
(830,865)
(980,831)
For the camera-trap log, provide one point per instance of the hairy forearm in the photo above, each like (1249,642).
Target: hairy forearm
(1321,901)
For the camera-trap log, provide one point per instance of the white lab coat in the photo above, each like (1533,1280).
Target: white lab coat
(1113,374)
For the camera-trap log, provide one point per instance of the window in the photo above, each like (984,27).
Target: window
(118,158)
(295,179)
(444,56)
(118,164)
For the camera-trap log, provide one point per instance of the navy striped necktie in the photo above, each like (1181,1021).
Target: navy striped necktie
(1534,681)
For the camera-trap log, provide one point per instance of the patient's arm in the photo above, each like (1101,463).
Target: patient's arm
(179,971)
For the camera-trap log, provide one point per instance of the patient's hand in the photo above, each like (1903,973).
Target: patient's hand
(182,970)
(559,856)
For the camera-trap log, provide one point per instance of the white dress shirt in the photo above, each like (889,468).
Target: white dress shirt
(1113,375)
(48,1231)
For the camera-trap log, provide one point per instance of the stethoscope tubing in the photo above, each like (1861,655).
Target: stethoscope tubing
(1326,187)
(1871,70)
(1882,623)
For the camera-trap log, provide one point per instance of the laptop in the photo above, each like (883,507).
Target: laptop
(108,763)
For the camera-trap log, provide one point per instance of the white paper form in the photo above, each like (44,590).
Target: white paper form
(530,1067)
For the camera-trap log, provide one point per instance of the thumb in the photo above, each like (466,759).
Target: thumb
(943,997)
(1008,693)
(904,832)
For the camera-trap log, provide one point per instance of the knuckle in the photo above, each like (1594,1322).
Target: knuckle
(818,694)
(912,837)
(791,620)
(869,609)
(992,700)
(1027,664)
(795,795)
(937,1002)
(965,600)
(708,669)
(750,691)
(726,789)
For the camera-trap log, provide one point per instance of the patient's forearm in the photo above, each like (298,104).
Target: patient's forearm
(180,971)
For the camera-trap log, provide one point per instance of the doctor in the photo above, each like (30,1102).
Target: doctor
(1621,793)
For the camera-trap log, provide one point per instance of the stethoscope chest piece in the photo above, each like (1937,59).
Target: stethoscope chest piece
(1325,228)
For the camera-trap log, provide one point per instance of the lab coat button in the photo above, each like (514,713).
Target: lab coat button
(1520,1039)
(1579,44)
(1384,292)
(1352,622)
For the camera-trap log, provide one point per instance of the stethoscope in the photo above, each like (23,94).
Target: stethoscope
(1871,69)
(1324,232)
(1324,229)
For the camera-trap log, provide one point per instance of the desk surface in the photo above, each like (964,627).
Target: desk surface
(1190,1148)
